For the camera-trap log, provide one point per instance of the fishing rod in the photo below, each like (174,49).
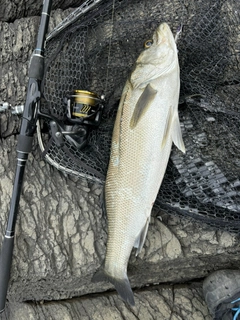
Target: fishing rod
(24,147)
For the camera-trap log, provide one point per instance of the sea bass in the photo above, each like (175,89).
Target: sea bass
(146,124)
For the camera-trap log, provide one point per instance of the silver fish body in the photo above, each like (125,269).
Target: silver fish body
(146,124)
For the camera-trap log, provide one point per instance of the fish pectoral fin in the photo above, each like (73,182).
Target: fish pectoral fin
(177,134)
(121,285)
(142,105)
(139,241)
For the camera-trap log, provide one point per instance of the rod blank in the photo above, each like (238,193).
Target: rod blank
(24,147)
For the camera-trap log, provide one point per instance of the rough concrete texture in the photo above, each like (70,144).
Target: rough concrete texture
(12,10)
(18,40)
(61,232)
(159,302)
(61,240)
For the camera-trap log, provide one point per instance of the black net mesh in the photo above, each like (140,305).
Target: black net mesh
(97,53)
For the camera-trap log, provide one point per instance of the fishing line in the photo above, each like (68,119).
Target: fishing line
(180,27)
(110,45)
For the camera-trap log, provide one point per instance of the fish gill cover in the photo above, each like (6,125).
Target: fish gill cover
(97,53)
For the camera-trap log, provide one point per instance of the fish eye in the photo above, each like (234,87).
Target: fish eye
(148,44)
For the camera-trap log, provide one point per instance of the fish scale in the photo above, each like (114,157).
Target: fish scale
(146,125)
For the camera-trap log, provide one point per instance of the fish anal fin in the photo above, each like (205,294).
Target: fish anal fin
(142,105)
(121,285)
(177,134)
(139,242)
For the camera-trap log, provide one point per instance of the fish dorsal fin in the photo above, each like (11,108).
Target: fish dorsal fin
(167,127)
(139,241)
(142,105)
(177,134)
(173,127)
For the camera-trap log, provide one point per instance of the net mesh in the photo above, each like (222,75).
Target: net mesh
(97,53)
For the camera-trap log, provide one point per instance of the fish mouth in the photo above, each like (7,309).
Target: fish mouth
(164,34)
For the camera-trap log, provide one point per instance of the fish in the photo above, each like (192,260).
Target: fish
(146,125)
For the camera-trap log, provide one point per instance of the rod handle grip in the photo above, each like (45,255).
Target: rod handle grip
(5,269)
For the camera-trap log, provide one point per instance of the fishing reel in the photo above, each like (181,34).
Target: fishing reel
(83,113)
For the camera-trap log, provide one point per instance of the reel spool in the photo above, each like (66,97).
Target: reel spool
(84,110)
(70,135)
(84,106)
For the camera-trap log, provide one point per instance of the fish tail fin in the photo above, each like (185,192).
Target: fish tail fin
(121,285)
